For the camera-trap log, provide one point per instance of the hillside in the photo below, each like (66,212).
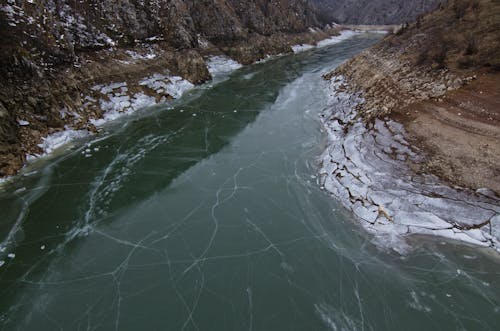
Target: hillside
(440,77)
(373,12)
(60,30)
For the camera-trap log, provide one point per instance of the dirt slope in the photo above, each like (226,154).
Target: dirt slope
(439,76)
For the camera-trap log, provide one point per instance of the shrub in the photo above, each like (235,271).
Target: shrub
(435,53)
(466,62)
(471,45)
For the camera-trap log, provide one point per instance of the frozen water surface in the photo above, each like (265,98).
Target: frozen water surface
(219,221)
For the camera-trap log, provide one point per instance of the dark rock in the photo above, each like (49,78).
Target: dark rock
(191,66)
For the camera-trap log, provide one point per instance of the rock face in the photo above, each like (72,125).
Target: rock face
(56,53)
(60,29)
(373,11)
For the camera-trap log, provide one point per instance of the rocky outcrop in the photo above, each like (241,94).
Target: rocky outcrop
(388,82)
(373,11)
(49,32)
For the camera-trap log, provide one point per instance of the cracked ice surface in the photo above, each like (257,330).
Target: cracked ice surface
(364,168)
(216,222)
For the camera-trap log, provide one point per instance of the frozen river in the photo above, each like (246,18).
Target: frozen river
(206,214)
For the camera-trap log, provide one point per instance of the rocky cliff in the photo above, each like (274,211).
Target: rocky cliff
(373,11)
(439,76)
(58,30)
(65,63)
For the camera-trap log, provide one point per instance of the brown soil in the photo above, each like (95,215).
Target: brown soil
(459,134)
(439,76)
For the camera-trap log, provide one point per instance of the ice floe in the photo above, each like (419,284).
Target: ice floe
(116,100)
(365,167)
(58,139)
(219,65)
(173,85)
(344,34)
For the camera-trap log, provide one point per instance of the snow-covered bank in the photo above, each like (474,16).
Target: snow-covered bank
(344,34)
(302,48)
(117,100)
(364,167)
(59,139)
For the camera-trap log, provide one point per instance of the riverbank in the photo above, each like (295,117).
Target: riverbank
(444,92)
(40,114)
(459,134)
(368,167)
(419,130)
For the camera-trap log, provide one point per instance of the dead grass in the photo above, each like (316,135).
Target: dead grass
(460,35)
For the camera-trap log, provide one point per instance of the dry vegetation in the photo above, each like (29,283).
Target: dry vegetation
(460,35)
(439,77)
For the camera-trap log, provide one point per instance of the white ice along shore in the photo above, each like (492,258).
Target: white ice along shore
(220,65)
(117,100)
(364,167)
(344,34)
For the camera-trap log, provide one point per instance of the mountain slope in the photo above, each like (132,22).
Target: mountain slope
(373,11)
(440,77)
(55,31)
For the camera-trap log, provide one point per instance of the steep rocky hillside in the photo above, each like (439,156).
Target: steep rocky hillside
(46,32)
(373,11)
(65,63)
(440,77)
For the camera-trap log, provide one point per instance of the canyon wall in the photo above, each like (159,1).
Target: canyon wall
(373,11)
(57,56)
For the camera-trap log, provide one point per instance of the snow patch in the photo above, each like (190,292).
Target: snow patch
(302,48)
(136,56)
(173,85)
(344,34)
(59,139)
(219,65)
